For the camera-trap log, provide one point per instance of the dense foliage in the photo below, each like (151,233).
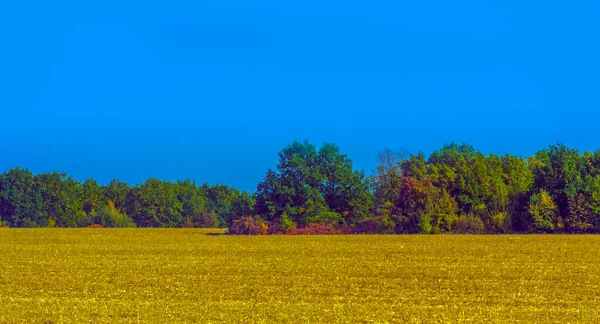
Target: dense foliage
(57,200)
(315,190)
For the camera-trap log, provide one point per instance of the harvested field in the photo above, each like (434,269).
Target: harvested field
(184,275)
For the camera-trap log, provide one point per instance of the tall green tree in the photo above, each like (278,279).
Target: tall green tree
(557,170)
(519,180)
(62,199)
(311,185)
(116,191)
(345,190)
(92,195)
(20,199)
(154,204)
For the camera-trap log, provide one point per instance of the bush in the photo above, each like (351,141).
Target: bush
(108,217)
(425,224)
(469,224)
(379,225)
(501,222)
(544,212)
(320,229)
(202,220)
(248,225)
(285,223)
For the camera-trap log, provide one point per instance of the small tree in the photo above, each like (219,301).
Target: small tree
(543,211)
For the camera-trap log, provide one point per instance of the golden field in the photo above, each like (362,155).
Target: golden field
(183,275)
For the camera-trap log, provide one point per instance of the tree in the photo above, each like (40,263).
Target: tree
(519,180)
(581,216)
(345,190)
(544,212)
(92,195)
(386,180)
(584,208)
(20,199)
(442,209)
(193,203)
(109,216)
(413,204)
(475,180)
(242,205)
(416,167)
(558,170)
(116,191)
(219,200)
(62,199)
(154,204)
(313,186)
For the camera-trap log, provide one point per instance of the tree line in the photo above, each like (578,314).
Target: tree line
(57,200)
(456,189)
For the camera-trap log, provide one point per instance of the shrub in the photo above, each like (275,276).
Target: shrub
(501,223)
(201,220)
(187,223)
(285,223)
(469,224)
(379,225)
(425,223)
(543,211)
(581,215)
(320,229)
(108,217)
(248,225)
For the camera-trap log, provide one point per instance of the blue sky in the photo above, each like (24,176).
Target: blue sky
(212,90)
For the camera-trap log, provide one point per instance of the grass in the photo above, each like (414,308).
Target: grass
(183,275)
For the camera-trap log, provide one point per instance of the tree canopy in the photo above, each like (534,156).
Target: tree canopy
(456,188)
(313,186)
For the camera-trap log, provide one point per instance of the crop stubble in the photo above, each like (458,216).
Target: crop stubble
(183,275)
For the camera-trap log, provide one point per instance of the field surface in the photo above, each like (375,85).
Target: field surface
(181,275)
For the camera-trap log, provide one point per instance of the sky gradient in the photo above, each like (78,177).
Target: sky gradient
(212,90)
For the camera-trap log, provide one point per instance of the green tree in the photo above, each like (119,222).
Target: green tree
(109,216)
(416,167)
(62,199)
(412,214)
(92,195)
(386,181)
(243,204)
(558,170)
(219,200)
(20,199)
(193,203)
(313,186)
(581,216)
(345,190)
(443,211)
(544,212)
(519,180)
(154,204)
(116,191)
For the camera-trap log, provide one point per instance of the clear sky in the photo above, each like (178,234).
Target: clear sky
(212,90)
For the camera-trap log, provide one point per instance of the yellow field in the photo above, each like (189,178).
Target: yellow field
(182,275)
